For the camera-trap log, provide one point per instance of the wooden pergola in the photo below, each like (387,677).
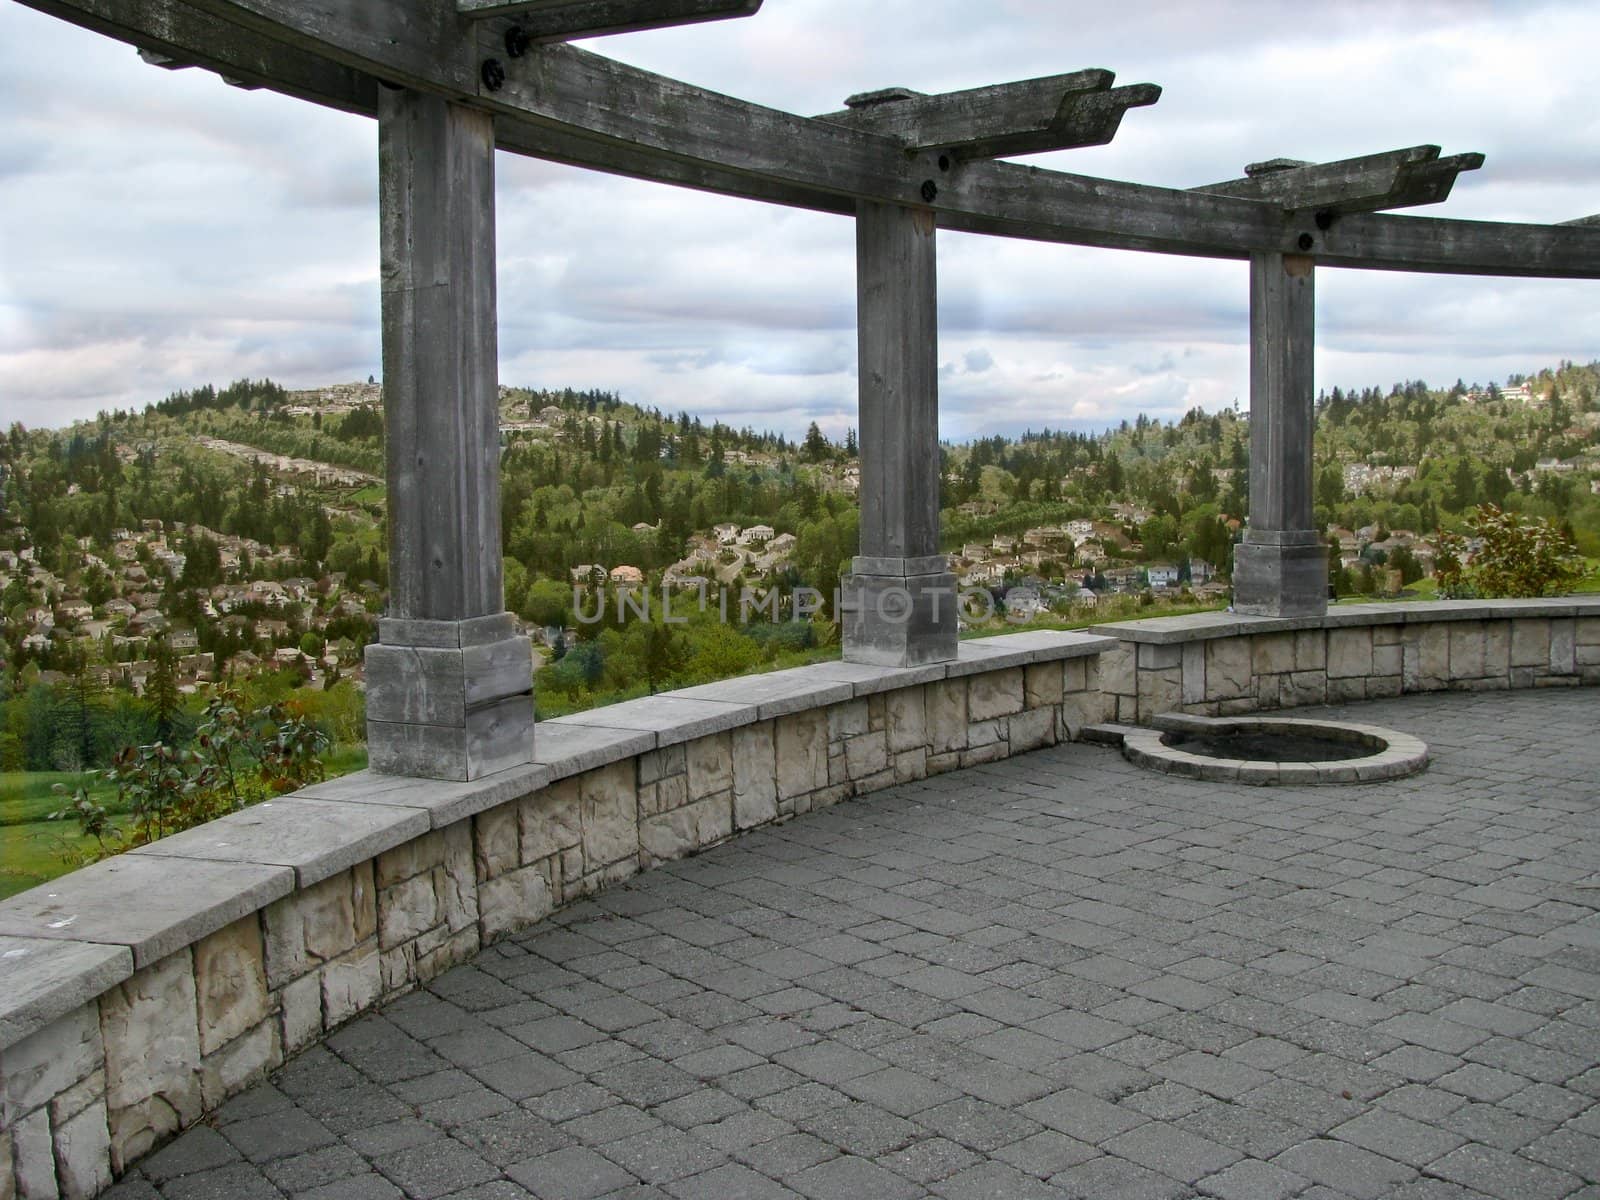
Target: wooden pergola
(450,81)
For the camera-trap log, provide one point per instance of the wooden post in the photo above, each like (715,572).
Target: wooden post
(449,684)
(1281,569)
(900,599)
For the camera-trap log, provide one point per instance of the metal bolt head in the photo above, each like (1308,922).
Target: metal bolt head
(517,41)
(494,75)
(930,191)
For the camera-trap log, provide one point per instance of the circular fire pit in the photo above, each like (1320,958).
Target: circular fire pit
(1272,750)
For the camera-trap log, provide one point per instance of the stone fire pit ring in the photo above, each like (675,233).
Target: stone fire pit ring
(1358,753)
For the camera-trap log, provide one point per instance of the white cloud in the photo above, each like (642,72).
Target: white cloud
(160,230)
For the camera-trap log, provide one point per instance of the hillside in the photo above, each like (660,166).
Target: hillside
(237,532)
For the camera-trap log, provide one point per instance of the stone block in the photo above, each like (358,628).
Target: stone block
(551,821)
(1042,685)
(755,775)
(897,620)
(230,983)
(50,1061)
(301,1002)
(801,751)
(1587,656)
(407,910)
(1343,690)
(1085,708)
(1272,654)
(1433,657)
(686,830)
(848,720)
(1383,687)
(1587,631)
(1349,653)
(672,792)
(1303,687)
(906,718)
(35,1158)
(1467,657)
(494,737)
(1032,729)
(240,1063)
(946,704)
(513,901)
(611,813)
(414,858)
(497,841)
(1388,635)
(994,694)
(1496,648)
(1563,647)
(458,883)
(1117,670)
(1194,673)
(83,1153)
(151,1028)
(319,923)
(911,765)
(69,1103)
(1229,668)
(1387,659)
(1160,691)
(1530,642)
(655,765)
(1074,675)
(8,1175)
(1311,650)
(351,984)
(866,755)
(1158,657)
(710,763)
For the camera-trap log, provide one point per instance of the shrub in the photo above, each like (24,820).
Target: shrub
(1519,557)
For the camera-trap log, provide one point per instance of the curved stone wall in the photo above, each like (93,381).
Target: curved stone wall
(138,994)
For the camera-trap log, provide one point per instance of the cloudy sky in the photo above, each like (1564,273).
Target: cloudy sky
(160,230)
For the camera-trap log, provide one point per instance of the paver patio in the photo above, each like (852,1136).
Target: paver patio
(1058,975)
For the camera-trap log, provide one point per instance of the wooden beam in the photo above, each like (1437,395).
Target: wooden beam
(546,21)
(1372,183)
(572,106)
(176,36)
(1059,112)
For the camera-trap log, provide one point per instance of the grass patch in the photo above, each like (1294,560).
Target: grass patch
(34,850)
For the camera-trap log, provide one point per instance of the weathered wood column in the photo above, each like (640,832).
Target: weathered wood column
(900,598)
(449,684)
(1281,569)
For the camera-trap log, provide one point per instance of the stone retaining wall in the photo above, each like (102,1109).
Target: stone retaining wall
(138,994)
(1220,664)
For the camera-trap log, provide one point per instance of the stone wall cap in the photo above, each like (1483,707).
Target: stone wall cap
(445,801)
(42,979)
(318,838)
(1024,649)
(140,901)
(564,748)
(671,718)
(869,679)
(775,693)
(1199,627)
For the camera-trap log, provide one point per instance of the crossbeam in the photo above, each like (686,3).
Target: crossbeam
(1371,183)
(568,105)
(546,21)
(1058,112)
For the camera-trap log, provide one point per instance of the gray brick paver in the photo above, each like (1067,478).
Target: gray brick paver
(1053,975)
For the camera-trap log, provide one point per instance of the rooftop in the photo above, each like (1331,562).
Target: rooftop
(1055,975)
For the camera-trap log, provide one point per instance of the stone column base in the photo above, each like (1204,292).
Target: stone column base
(1280,580)
(449,699)
(903,617)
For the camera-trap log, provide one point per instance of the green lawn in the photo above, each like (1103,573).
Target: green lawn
(34,850)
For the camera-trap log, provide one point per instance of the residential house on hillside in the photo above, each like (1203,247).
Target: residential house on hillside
(627,576)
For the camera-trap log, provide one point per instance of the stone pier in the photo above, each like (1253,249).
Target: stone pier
(449,684)
(900,598)
(1281,569)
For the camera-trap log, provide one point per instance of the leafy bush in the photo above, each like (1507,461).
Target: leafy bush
(1519,557)
(242,757)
